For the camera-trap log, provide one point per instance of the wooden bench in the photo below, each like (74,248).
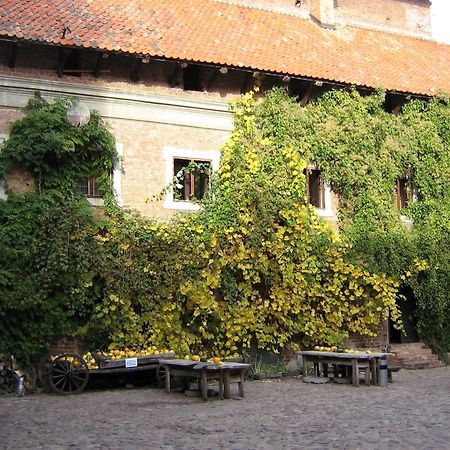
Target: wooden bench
(205,372)
(358,362)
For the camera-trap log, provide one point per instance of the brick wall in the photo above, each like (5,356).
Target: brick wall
(378,342)
(411,16)
(19,181)
(67,344)
(299,7)
(7,117)
(405,16)
(143,158)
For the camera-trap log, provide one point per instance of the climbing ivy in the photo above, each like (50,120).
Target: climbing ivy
(46,243)
(57,153)
(256,266)
(362,150)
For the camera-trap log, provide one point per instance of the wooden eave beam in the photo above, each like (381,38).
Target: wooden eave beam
(401,100)
(175,75)
(135,71)
(307,94)
(61,62)
(247,82)
(212,80)
(12,56)
(99,64)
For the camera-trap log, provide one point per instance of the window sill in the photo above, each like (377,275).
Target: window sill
(324,212)
(406,221)
(181,205)
(95,201)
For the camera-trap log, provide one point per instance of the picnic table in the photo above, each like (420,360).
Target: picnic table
(359,361)
(224,373)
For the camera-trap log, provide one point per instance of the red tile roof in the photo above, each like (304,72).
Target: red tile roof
(226,34)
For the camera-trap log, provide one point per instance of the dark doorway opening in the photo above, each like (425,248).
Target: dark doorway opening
(407,305)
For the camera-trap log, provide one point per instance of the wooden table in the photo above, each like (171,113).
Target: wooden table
(369,362)
(225,373)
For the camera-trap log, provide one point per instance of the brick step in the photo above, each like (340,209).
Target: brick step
(422,365)
(415,355)
(410,345)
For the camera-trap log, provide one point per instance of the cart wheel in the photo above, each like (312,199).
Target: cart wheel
(161,374)
(69,374)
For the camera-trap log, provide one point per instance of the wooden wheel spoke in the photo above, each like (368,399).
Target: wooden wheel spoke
(59,381)
(77,377)
(63,387)
(69,385)
(59,376)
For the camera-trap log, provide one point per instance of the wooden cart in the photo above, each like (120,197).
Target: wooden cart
(68,373)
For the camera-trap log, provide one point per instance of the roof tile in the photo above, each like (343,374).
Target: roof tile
(233,35)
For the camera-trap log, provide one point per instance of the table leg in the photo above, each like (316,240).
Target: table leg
(204,385)
(241,384)
(304,366)
(373,371)
(226,384)
(355,374)
(221,385)
(167,379)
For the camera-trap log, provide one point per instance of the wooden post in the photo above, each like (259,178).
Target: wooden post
(226,384)
(167,379)
(355,374)
(304,366)
(221,377)
(241,384)
(204,385)
(373,370)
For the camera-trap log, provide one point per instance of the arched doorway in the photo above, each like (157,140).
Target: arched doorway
(407,305)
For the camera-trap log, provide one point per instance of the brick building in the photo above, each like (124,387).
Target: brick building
(161,73)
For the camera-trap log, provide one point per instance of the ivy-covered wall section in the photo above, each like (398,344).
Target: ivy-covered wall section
(256,266)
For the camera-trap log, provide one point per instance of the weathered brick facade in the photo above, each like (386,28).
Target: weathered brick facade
(158,109)
(412,16)
(402,16)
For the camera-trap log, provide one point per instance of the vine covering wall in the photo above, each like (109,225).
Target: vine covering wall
(256,266)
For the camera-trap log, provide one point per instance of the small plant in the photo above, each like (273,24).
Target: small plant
(262,369)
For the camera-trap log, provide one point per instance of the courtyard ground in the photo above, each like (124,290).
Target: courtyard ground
(411,413)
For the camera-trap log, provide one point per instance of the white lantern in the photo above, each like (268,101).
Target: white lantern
(78,114)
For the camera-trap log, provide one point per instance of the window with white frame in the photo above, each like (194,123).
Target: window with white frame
(187,173)
(89,187)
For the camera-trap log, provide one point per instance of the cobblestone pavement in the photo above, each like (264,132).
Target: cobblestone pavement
(411,413)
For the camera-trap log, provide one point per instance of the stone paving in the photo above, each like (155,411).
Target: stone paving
(411,413)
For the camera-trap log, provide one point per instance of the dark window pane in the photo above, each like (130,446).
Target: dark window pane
(83,186)
(96,191)
(191,78)
(181,188)
(404,192)
(316,191)
(89,187)
(191,179)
